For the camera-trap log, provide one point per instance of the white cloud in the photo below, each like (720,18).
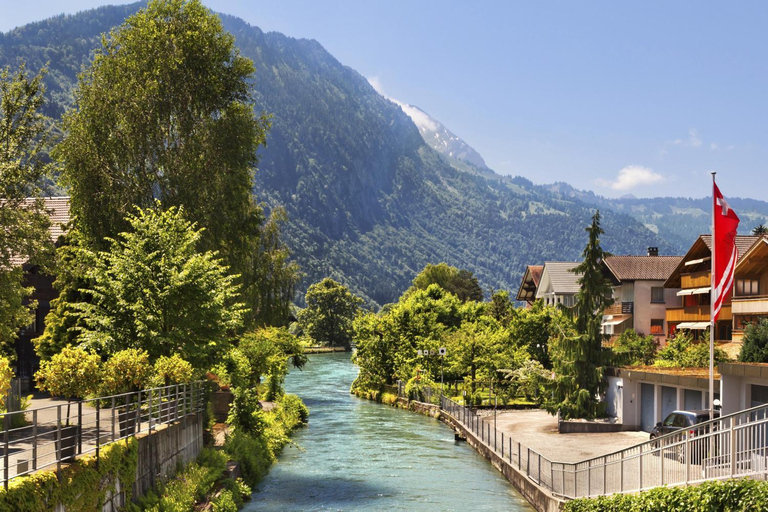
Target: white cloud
(631,177)
(693,140)
(376,84)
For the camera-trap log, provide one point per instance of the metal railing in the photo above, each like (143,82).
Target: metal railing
(729,447)
(39,438)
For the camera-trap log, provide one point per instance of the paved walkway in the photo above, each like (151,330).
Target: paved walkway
(537,430)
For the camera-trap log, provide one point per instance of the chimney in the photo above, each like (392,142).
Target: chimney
(653,251)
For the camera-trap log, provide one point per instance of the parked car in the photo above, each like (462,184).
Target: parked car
(677,421)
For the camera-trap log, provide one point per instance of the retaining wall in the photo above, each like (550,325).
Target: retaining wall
(541,500)
(159,453)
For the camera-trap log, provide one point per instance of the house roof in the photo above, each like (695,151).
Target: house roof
(753,259)
(558,277)
(702,247)
(58,212)
(638,268)
(530,283)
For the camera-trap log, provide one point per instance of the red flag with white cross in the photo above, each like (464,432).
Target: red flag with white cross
(725,254)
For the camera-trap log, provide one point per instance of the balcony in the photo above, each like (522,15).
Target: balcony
(695,280)
(620,308)
(696,314)
(752,305)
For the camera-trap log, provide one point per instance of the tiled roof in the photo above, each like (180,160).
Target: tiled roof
(636,268)
(58,212)
(561,277)
(743,242)
(536,271)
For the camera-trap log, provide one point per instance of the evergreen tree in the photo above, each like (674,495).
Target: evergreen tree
(754,348)
(760,229)
(23,224)
(579,358)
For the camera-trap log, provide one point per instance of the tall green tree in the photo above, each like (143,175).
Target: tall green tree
(23,223)
(165,112)
(461,283)
(153,290)
(754,348)
(330,310)
(579,359)
(760,229)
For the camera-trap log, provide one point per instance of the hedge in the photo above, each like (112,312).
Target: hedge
(727,495)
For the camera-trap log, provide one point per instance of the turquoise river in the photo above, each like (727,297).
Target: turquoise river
(360,455)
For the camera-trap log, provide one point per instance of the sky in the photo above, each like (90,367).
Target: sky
(643,98)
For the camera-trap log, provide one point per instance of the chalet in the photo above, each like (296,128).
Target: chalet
(558,284)
(530,284)
(692,279)
(749,302)
(27,361)
(640,299)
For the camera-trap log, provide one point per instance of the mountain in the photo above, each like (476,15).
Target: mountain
(440,138)
(678,220)
(369,202)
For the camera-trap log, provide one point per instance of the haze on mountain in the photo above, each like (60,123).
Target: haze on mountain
(370,203)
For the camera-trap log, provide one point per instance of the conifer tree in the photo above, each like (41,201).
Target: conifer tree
(579,358)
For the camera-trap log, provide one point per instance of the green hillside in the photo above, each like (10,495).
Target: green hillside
(370,204)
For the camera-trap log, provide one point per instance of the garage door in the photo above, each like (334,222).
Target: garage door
(668,401)
(647,407)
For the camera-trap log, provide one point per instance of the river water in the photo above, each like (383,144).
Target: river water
(360,455)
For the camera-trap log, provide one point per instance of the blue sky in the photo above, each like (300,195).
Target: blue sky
(617,97)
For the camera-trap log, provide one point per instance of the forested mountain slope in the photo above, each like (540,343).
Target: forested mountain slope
(369,202)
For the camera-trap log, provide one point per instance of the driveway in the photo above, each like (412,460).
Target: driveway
(537,430)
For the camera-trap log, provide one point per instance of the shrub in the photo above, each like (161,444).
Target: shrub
(6,375)
(125,371)
(682,352)
(224,502)
(755,345)
(631,348)
(172,370)
(252,453)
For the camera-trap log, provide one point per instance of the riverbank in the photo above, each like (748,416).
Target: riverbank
(324,350)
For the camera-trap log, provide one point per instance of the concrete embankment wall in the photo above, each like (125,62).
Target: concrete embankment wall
(159,452)
(541,500)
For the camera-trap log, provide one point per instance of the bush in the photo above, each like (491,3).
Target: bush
(630,348)
(682,352)
(743,494)
(755,345)
(252,453)
(224,502)
(125,371)
(172,370)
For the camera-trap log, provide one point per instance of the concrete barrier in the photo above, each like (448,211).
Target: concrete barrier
(541,499)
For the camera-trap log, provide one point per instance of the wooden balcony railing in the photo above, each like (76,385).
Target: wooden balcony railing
(750,305)
(613,310)
(695,280)
(696,314)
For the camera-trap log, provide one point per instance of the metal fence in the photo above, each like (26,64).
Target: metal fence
(729,447)
(48,436)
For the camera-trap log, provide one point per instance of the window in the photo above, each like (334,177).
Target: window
(568,301)
(747,287)
(670,420)
(657,294)
(657,326)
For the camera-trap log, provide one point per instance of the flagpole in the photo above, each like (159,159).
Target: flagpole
(712,312)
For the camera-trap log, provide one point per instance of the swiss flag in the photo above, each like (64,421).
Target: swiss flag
(725,252)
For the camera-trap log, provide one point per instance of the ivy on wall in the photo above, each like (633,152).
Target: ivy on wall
(84,485)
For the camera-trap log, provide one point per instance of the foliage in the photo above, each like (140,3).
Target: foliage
(682,351)
(533,327)
(234,370)
(6,375)
(268,350)
(245,413)
(579,359)
(461,283)
(272,291)
(126,371)
(630,348)
(760,229)
(754,348)
(172,370)
(72,373)
(152,290)
(530,380)
(257,449)
(149,120)
(330,310)
(743,494)
(422,388)
(84,485)
(23,225)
